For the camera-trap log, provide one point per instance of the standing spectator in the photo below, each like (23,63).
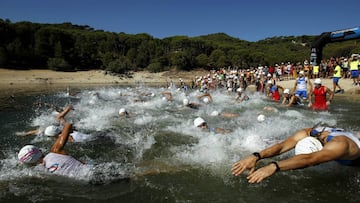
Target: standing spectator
(316,71)
(336,77)
(271,70)
(306,69)
(345,67)
(324,69)
(354,68)
(278,72)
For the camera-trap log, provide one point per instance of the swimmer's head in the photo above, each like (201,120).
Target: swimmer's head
(317,81)
(261,118)
(29,154)
(308,145)
(199,122)
(206,100)
(286,91)
(52,131)
(215,113)
(185,102)
(122,112)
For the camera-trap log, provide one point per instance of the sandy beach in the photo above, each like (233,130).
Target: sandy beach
(16,81)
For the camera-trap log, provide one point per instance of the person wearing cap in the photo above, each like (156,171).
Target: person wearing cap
(336,78)
(241,95)
(337,145)
(319,92)
(273,90)
(125,113)
(50,130)
(259,84)
(307,68)
(224,114)
(168,96)
(57,161)
(290,99)
(189,104)
(301,86)
(56,130)
(201,123)
(206,98)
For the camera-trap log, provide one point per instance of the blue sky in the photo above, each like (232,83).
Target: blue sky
(250,20)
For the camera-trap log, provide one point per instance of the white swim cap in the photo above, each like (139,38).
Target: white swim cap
(214,113)
(206,100)
(198,121)
(185,102)
(261,118)
(52,130)
(301,72)
(269,74)
(286,91)
(122,111)
(239,89)
(308,145)
(317,81)
(229,89)
(269,82)
(29,154)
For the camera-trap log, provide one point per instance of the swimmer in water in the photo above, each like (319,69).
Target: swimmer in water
(55,130)
(335,144)
(201,123)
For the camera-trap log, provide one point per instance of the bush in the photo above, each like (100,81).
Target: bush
(58,64)
(155,67)
(120,66)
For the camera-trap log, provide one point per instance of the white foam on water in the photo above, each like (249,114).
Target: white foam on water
(98,111)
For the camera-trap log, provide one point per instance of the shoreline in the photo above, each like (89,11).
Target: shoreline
(22,81)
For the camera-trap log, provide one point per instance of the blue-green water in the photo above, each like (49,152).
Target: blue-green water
(165,157)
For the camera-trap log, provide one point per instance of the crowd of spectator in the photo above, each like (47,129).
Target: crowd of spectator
(233,78)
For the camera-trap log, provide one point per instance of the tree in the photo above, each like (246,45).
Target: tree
(202,60)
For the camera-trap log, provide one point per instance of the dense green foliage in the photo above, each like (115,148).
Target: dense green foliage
(68,47)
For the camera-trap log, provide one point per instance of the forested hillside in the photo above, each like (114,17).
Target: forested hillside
(69,47)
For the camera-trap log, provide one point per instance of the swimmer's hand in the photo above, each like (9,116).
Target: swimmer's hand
(248,163)
(20,133)
(262,173)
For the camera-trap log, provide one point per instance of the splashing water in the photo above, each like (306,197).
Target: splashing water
(157,137)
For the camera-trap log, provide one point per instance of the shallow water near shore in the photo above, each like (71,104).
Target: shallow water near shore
(157,155)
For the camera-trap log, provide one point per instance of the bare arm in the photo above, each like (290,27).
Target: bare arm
(168,95)
(28,133)
(310,84)
(292,100)
(331,94)
(61,115)
(206,95)
(58,146)
(331,151)
(310,97)
(280,87)
(294,89)
(249,162)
